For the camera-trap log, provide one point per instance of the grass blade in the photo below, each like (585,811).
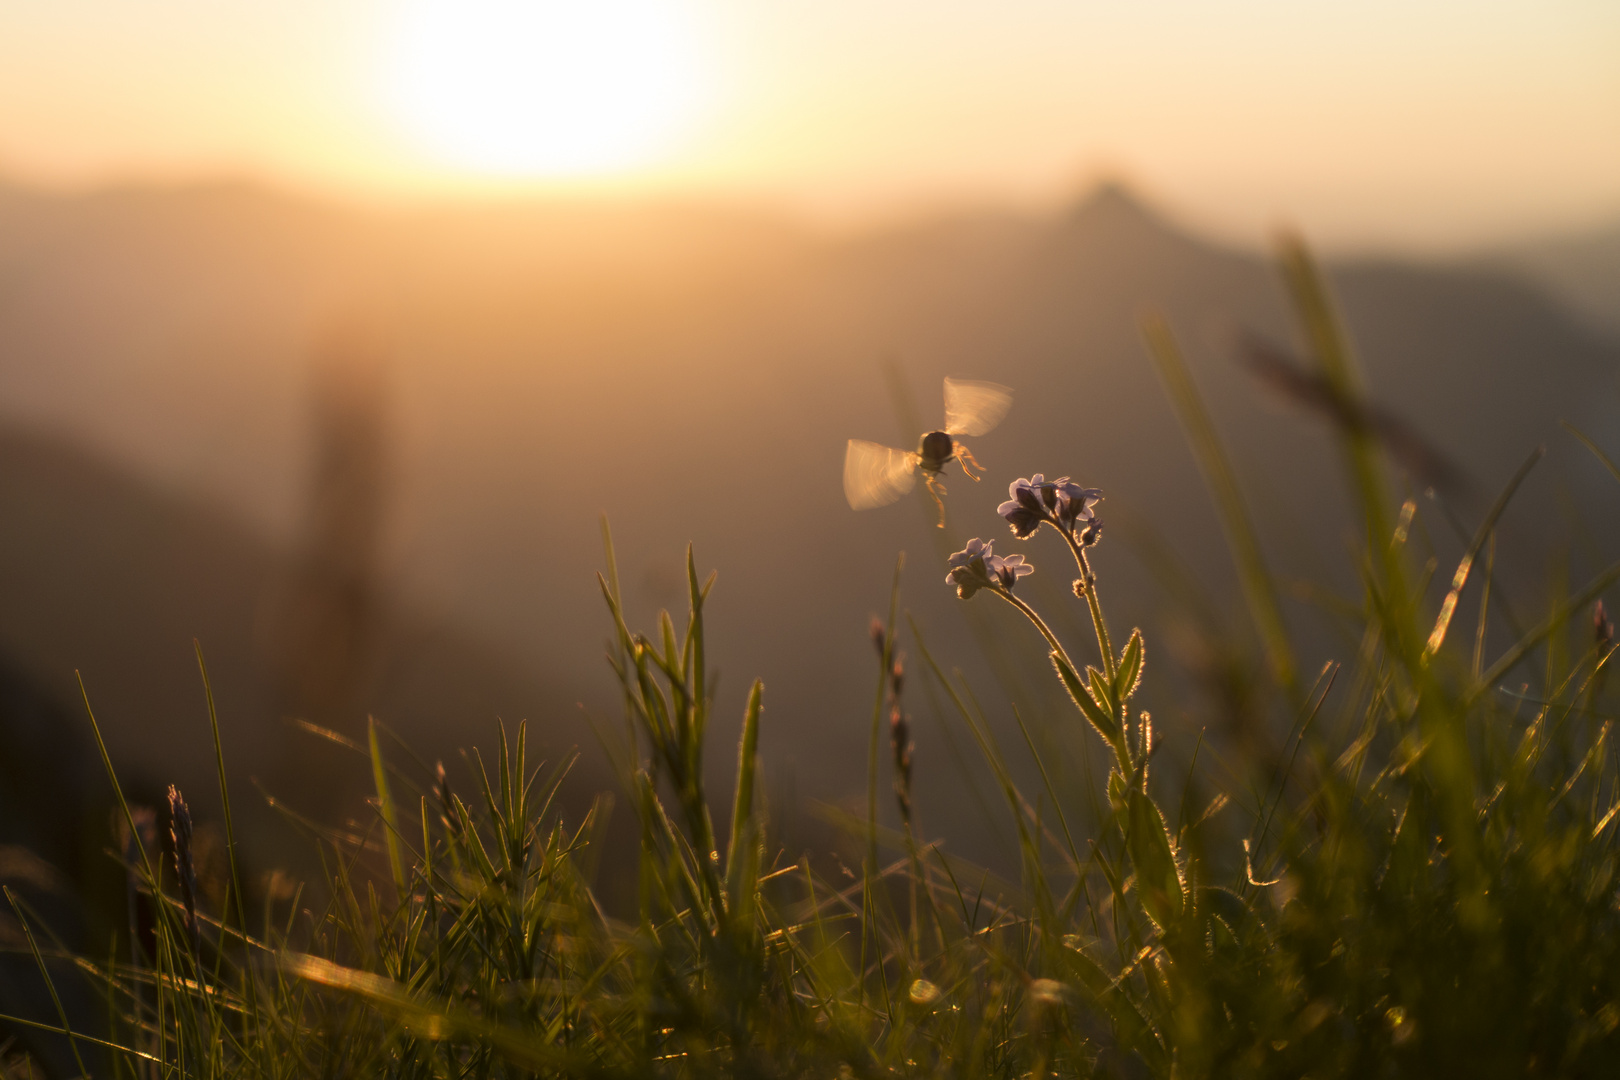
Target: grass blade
(1258,589)
(1459,580)
(1608,462)
(44,973)
(742,807)
(385,807)
(1559,616)
(224,789)
(1337,365)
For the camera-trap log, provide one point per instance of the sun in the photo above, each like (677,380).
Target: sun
(544,88)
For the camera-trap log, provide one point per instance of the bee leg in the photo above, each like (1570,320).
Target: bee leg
(965,458)
(936,489)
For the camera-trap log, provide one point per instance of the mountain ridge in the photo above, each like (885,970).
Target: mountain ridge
(698,385)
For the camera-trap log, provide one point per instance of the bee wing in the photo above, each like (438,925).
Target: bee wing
(877,475)
(973,408)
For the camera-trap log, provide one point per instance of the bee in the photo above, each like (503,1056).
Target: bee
(876,475)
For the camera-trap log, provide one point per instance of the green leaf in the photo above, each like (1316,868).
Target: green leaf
(1129,674)
(1088,706)
(1103,692)
(1157,878)
(1116,790)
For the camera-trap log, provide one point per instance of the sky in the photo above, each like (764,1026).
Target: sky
(1418,125)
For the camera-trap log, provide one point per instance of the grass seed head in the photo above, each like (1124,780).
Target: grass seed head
(185,864)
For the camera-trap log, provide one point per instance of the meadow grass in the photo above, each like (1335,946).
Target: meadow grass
(1427,889)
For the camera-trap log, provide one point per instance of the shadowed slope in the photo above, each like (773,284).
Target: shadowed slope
(111,576)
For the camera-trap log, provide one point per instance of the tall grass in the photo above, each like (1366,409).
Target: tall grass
(1426,887)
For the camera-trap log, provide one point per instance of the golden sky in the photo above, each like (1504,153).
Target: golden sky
(1422,124)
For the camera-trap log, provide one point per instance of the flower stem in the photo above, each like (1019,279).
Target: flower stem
(1088,581)
(1040,624)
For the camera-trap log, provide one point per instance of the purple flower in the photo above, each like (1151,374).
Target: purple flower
(1026,509)
(1038,500)
(1074,502)
(968,571)
(978,567)
(1008,570)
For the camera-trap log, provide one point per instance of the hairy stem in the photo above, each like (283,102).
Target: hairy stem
(1040,624)
(1088,582)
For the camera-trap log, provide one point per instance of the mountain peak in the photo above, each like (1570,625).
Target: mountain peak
(1112,204)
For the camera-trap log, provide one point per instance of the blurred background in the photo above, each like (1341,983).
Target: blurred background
(329,330)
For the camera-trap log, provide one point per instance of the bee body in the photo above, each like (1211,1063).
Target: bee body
(935,450)
(876,475)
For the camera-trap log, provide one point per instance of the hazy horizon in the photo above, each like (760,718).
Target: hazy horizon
(1437,129)
(835,224)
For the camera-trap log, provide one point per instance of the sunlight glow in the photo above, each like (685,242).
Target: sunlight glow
(546,87)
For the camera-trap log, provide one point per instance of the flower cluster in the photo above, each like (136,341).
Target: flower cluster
(978,567)
(1059,502)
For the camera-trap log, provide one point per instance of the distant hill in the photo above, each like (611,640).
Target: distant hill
(113,576)
(693,373)
(1581,270)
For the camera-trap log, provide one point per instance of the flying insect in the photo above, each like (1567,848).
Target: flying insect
(876,475)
